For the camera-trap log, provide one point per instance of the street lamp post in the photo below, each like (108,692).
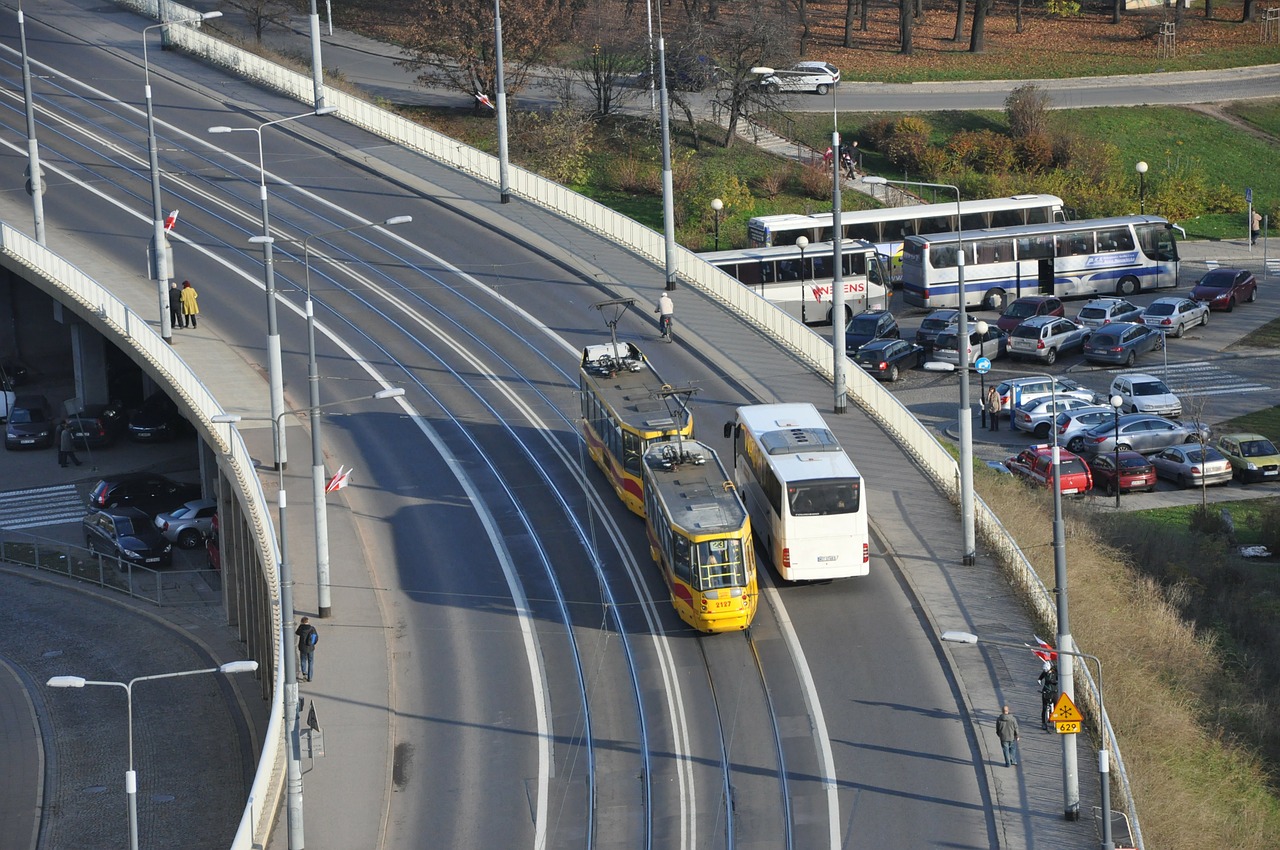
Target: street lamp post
(716,206)
(966,413)
(161,264)
(1116,402)
(287,627)
(1104,751)
(35,176)
(130,776)
(982,328)
(802,242)
(269,276)
(324,604)
(1141,168)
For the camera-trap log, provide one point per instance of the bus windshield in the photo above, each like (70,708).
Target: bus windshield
(824,498)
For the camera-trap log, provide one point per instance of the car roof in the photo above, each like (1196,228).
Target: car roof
(880,343)
(128,513)
(813,63)
(1244,435)
(1107,300)
(1035,299)
(1135,376)
(1037,321)
(1169,299)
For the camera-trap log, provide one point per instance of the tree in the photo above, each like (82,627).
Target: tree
(740,45)
(977,41)
(1247,16)
(453,41)
(960,20)
(906,12)
(264,13)
(605,73)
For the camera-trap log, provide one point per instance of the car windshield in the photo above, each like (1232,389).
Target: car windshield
(25,416)
(1197,456)
(1133,463)
(1159,310)
(124,525)
(947,340)
(1106,338)
(1070,464)
(1020,310)
(864,325)
(1257,448)
(871,356)
(1217,280)
(1151,388)
(180,512)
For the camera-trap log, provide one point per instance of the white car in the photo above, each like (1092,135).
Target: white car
(1145,394)
(1174,315)
(817,77)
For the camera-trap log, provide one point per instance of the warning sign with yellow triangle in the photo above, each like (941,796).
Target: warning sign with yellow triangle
(1066,717)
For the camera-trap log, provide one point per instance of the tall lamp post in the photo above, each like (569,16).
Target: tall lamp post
(1116,402)
(287,627)
(970,555)
(130,776)
(716,206)
(1104,751)
(319,503)
(802,242)
(982,327)
(269,277)
(161,264)
(35,176)
(1141,168)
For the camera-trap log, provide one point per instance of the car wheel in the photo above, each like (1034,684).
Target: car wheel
(1124,447)
(190,538)
(1051,357)
(1205,320)
(1179,332)
(1253,295)
(1074,444)
(1131,359)
(893,373)
(822,88)
(1231,305)
(1042,430)
(1191,438)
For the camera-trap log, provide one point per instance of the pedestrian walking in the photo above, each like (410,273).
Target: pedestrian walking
(1255,227)
(993,409)
(66,445)
(190,309)
(175,306)
(666,315)
(1007,732)
(308,637)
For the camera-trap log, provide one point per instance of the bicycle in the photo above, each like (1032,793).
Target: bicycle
(667,327)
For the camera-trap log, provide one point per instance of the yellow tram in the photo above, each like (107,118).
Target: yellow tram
(623,412)
(700,536)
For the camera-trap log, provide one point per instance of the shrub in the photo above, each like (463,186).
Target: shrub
(1027,110)
(814,181)
(554,144)
(910,139)
(634,176)
(771,183)
(1034,152)
(876,134)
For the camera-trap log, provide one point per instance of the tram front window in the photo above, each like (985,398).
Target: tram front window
(720,564)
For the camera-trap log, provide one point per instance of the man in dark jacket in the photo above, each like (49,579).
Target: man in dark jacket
(1007,732)
(307,638)
(175,306)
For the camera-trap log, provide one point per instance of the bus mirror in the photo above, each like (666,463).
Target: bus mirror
(728,430)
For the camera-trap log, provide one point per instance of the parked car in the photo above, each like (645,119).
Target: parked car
(147,491)
(96,426)
(1192,465)
(1142,432)
(189,525)
(990,345)
(1253,457)
(1072,424)
(869,325)
(30,424)
(1121,343)
(1027,307)
(157,420)
(817,77)
(1016,391)
(934,324)
(1045,337)
(127,534)
(1174,315)
(1222,289)
(886,358)
(1104,311)
(1037,415)
(1035,465)
(1136,472)
(1145,394)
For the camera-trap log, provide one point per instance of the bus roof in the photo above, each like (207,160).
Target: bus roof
(797,441)
(695,488)
(814,249)
(913,210)
(1037,229)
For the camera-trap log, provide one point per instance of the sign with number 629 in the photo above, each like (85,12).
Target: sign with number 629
(1067,727)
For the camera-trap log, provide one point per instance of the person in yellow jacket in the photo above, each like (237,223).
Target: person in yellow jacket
(190,309)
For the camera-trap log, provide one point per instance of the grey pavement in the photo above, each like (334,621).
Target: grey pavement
(196,775)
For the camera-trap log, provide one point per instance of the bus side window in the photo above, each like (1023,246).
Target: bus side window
(822,267)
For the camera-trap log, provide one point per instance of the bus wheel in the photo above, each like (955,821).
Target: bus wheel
(994,299)
(1127,286)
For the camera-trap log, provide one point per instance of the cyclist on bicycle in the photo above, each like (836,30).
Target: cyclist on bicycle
(666,313)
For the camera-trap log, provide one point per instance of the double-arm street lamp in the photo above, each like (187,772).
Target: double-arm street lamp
(161,264)
(287,627)
(130,777)
(1104,755)
(324,603)
(970,555)
(269,277)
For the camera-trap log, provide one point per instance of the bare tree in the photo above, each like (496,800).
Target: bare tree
(959,20)
(849,6)
(1250,10)
(906,13)
(264,13)
(978,39)
(753,41)
(608,74)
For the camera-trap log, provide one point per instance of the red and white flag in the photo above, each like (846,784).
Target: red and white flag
(341,479)
(171,220)
(484,98)
(1045,652)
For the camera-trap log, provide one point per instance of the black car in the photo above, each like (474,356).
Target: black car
(147,491)
(96,425)
(127,534)
(30,424)
(157,420)
(886,358)
(869,325)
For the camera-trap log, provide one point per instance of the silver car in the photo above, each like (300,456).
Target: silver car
(1190,466)
(1045,337)
(189,525)
(1104,311)
(1144,433)
(1174,315)
(991,345)
(1037,415)
(1072,424)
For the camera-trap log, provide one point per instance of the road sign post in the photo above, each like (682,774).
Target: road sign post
(982,366)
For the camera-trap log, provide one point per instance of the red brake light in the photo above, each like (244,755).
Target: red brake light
(786,558)
(866,552)
(1040,343)
(884,364)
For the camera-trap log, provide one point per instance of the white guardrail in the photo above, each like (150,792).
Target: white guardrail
(97,307)
(878,402)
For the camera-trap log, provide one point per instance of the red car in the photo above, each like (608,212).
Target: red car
(1136,472)
(1222,289)
(1027,306)
(1035,465)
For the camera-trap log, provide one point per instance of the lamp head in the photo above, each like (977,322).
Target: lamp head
(326,110)
(220,129)
(802,242)
(66,682)
(225,418)
(960,637)
(238,667)
(208,16)
(398,219)
(763,70)
(1117,402)
(389,392)
(1141,168)
(717,204)
(982,327)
